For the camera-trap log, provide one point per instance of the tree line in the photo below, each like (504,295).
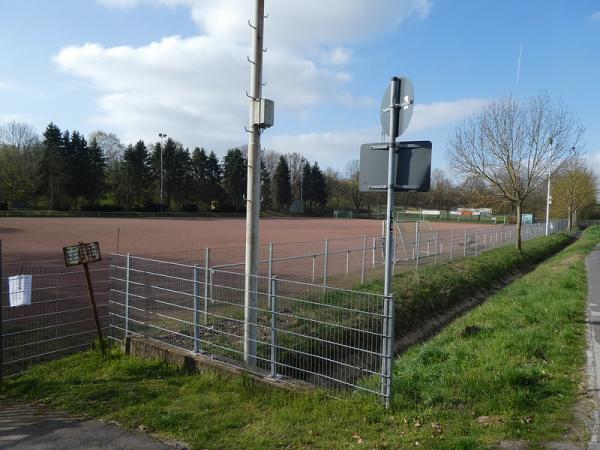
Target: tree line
(63,170)
(501,154)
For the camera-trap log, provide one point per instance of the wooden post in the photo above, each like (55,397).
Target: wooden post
(93,301)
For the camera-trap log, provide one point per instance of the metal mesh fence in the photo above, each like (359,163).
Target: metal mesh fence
(59,320)
(325,336)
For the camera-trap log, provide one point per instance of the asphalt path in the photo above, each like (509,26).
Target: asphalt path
(593,366)
(25,427)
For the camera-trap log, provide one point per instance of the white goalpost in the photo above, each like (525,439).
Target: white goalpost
(340,214)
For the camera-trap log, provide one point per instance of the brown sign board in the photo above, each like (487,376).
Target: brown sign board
(82,253)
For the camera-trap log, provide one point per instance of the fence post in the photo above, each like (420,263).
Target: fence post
(314,261)
(465,245)
(364,260)
(210,294)
(270,259)
(417,245)
(387,346)
(273,301)
(347,262)
(325,260)
(374,247)
(207,279)
(197,308)
(452,244)
(476,243)
(1,318)
(128,268)
(270,272)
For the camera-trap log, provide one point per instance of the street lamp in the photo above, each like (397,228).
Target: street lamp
(162,136)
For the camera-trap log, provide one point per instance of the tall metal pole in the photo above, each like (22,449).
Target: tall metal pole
(162,137)
(253,188)
(548,201)
(389,231)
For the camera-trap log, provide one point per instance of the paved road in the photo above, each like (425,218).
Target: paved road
(24,427)
(593,366)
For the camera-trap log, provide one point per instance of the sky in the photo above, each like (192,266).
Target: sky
(138,68)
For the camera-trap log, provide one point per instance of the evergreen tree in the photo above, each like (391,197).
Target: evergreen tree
(234,177)
(214,175)
(307,186)
(179,175)
(137,171)
(50,165)
(199,176)
(96,176)
(282,188)
(76,164)
(318,186)
(266,193)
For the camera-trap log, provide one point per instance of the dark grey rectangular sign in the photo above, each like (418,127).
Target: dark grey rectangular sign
(413,171)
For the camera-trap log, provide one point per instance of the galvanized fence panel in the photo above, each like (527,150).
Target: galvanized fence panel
(59,320)
(330,337)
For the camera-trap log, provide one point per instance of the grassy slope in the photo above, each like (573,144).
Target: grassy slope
(519,359)
(435,289)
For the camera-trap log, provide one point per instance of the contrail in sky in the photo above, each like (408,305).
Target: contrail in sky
(519,65)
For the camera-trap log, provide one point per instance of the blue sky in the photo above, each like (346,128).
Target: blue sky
(140,67)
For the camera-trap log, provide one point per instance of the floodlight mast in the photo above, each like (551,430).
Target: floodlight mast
(253,188)
(162,137)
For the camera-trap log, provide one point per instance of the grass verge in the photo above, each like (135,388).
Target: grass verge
(435,289)
(509,369)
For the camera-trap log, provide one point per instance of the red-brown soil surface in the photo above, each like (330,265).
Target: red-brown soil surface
(39,238)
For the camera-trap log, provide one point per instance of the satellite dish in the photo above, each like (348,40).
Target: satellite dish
(405,98)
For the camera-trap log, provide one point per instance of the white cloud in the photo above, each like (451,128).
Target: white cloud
(595,16)
(193,88)
(295,22)
(339,56)
(443,113)
(331,148)
(5,86)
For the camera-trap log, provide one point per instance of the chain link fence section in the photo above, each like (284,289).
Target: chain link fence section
(332,338)
(59,320)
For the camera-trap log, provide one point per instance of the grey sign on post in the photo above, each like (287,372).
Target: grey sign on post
(405,100)
(413,170)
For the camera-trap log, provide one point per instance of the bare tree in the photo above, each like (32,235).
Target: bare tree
(573,189)
(270,158)
(110,145)
(19,135)
(357,196)
(295,162)
(513,145)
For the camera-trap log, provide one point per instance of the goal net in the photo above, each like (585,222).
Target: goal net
(342,214)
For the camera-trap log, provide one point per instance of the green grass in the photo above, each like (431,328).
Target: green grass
(517,358)
(435,289)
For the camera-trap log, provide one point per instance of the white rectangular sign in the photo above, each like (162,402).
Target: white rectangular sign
(19,290)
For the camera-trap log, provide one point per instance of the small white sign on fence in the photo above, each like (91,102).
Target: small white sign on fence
(19,290)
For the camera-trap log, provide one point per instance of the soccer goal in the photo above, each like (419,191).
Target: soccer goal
(342,214)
